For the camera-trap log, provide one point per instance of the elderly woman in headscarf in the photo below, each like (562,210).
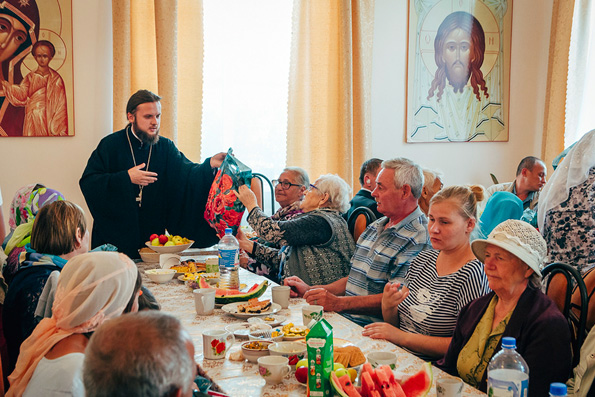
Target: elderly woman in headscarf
(512,255)
(315,246)
(25,205)
(94,287)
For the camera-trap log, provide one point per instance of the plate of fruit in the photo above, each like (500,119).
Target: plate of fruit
(168,244)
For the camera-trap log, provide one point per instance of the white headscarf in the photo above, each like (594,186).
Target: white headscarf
(572,171)
(92,288)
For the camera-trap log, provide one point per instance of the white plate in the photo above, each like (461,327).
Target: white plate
(242,330)
(277,320)
(232,308)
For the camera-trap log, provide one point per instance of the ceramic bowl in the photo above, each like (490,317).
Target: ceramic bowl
(254,354)
(294,351)
(172,249)
(160,276)
(148,255)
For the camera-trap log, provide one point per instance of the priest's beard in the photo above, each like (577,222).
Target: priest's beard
(144,136)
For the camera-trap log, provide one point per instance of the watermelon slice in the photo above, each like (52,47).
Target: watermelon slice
(419,385)
(225,296)
(348,387)
(395,387)
(368,385)
(336,386)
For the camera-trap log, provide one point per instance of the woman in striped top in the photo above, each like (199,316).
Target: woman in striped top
(421,317)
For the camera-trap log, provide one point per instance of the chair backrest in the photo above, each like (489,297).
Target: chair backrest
(262,179)
(575,310)
(359,220)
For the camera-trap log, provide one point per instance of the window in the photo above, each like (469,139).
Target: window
(246,76)
(580,92)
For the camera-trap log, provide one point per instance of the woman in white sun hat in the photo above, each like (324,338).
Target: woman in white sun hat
(512,255)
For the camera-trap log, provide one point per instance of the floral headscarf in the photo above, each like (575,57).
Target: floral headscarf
(27,202)
(92,288)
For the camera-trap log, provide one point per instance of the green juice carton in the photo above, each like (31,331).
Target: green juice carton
(320,359)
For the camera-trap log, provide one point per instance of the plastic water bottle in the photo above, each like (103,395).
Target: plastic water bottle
(229,255)
(508,373)
(558,390)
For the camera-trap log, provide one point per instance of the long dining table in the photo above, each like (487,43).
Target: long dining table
(238,379)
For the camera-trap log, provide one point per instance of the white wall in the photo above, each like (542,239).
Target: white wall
(462,162)
(59,162)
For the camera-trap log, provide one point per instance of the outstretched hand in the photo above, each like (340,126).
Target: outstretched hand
(298,286)
(139,177)
(217,160)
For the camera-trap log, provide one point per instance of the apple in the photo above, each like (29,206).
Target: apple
(302,363)
(301,374)
(163,239)
(153,237)
(155,241)
(169,244)
(341,371)
(336,366)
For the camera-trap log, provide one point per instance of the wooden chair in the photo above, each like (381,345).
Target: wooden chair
(359,220)
(575,310)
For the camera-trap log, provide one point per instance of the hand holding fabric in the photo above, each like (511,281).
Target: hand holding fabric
(217,160)
(247,197)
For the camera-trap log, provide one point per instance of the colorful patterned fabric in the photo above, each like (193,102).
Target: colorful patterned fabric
(223,208)
(27,202)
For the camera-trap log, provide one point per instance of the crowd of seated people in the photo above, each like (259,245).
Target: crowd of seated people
(443,272)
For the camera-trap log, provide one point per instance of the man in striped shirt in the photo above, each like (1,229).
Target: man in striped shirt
(384,251)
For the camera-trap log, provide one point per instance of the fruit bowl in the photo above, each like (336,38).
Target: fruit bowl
(171,249)
(160,276)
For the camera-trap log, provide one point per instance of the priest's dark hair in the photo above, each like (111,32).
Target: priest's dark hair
(140,97)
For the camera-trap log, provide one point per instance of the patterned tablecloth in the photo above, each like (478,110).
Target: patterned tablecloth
(241,378)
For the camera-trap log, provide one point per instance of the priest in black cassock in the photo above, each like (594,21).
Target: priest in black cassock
(137,183)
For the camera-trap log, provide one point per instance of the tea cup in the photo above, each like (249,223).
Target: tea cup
(204,300)
(273,368)
(449,387)
(281,295)
(377,359)
(216,343)
(311,313)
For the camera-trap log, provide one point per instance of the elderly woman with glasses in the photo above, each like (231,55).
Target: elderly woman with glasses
(512,255)
(290,189)
(315,246)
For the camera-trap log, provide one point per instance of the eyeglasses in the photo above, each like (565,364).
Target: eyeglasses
(313,187)
(284,184)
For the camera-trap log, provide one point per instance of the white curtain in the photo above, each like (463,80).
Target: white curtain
(580,92)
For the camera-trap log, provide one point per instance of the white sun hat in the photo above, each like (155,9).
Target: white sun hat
(518,238)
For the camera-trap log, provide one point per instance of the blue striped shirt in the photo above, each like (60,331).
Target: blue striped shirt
(384,255)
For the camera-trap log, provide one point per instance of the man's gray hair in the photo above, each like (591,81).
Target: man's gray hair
(406,173)
(430,177)
(138,354)
(301,175)
(338,190)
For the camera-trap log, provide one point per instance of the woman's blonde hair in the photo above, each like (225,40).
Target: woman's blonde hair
(466,197)
(55,228)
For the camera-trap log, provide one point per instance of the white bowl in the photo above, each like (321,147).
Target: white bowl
(172,249)
(160,276)
(294,351)
(253,355)
(148,255)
